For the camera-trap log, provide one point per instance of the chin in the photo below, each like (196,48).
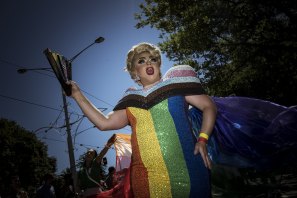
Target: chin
(154,79)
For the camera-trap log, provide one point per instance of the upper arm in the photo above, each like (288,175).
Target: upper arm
(115,120)
(201,101)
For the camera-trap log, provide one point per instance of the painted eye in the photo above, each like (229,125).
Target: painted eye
(154,60)
(141,61)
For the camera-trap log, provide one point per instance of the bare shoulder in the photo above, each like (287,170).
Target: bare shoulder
(199,101)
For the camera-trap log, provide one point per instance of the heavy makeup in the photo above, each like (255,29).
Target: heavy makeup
(147,68)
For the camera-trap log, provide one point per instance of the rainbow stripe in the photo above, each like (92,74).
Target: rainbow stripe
(163,164)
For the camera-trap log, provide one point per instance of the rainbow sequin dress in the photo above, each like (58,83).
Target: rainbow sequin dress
(163,163)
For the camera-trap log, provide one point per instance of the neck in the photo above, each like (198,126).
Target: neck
(150,85)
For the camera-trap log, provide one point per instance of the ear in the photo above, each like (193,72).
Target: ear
(159,63)
(137,78)
(133,74)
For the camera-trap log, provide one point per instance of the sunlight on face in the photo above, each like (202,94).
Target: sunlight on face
(147,68)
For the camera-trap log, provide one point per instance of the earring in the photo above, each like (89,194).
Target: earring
(136,79)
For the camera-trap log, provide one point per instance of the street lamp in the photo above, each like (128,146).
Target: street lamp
(98,40)
(68,129)
(24,70)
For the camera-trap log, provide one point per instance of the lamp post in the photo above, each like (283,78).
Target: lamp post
(68,129)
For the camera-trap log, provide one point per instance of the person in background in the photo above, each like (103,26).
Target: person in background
(111,180)
(46,190)
(91,175)
(15,190)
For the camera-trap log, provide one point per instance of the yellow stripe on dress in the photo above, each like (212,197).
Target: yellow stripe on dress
(149,148)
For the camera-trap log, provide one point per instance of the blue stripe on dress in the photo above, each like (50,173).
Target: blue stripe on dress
(198,173)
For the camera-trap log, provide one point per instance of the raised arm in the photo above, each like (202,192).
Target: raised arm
(103,152)
(112,121)
(208,107)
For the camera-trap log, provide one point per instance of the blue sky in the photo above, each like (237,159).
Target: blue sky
(68,26)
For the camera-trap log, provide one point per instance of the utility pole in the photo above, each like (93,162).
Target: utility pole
(68,128)
(70,144)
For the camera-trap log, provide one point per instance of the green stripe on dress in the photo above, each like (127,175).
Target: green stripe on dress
(171,149)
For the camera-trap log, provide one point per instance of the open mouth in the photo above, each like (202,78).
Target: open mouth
(150,71)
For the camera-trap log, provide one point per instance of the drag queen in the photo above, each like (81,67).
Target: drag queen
(167,159)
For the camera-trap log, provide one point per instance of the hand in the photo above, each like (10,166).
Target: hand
(200,147)
(74,88)
(23,194)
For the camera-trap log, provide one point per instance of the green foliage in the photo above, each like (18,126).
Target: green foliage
(245,48)
(24,155)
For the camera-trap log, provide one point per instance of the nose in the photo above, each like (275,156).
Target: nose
(149,62)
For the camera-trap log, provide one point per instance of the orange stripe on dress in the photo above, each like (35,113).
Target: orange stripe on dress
(139,176)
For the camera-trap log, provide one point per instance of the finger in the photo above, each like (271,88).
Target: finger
(209,162)
(204,157)
(207,159)
(196,149)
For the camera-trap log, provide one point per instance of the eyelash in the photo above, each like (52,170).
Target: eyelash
(143,61)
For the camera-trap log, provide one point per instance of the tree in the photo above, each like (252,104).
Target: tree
(24,155)
(246,48)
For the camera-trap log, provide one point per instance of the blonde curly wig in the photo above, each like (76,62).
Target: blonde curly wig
(138,49)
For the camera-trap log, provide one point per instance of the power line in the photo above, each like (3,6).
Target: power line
(35,104)
(97,98)
(32,103)
(43,106)
(21,67)
(77,133)
(79,144)
(39,105)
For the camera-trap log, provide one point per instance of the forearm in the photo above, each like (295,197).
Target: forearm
(208,119)
(209,111)
(103,152)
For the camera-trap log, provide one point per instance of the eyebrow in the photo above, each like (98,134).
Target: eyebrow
(145,57)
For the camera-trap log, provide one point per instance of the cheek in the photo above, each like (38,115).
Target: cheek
(158,69)
(139,70)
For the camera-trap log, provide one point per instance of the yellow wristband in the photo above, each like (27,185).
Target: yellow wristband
(204,135)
